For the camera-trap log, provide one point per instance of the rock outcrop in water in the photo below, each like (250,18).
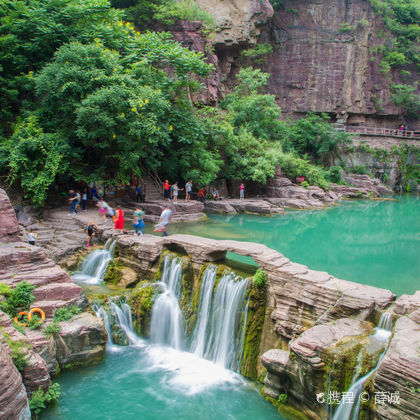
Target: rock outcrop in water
(80,341)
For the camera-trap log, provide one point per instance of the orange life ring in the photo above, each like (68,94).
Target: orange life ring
(39,311)
(22,324)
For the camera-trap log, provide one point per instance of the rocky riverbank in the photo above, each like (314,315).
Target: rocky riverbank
(77,341)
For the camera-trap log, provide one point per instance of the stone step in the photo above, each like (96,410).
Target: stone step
(57,291)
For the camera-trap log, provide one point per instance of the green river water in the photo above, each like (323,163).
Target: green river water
(371,242)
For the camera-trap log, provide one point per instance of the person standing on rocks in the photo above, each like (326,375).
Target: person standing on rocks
(84,199)
(138,193)
(31,237)
(162,226)
(166,190)
(138,222)
(119,219)
(188,190)
(242,191)
(103,207)
(90,230)
(73,202)
(175,191)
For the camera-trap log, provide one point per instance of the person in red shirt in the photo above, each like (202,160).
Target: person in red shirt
(166,187)
(119,219)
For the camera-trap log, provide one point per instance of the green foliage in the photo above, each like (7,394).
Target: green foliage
(34,158)
(359,169)
(314,136)
(18,350)
(66,313)
(395,59)
(35,322)
(406,96)
(258,53)
(334,174)
(305,185)
(346,27)
(19,299)
(282,398)
(171,11)
(51,330)
(362,23)
(260,279)
(5,289)
(41,398)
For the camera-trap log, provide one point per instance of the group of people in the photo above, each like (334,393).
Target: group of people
(76,199)
(171,192)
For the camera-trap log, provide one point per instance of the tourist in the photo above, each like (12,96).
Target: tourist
(103,207)
(31,237)
(188,190)
(90,232)
(79,200)
(138,193)
(175,191)
(162,226)
(138,222)
(202,194)
(119,219)
(215,194)
(94,193)
(242,191)
(84,199)
(73,202)
(166,190)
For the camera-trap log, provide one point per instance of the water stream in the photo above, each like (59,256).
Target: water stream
(154,379)
(350,411)
(94,266)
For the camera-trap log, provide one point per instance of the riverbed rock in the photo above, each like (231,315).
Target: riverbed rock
(81,341)
(9,226)
(14,402)
(334,348)
(407,304)
(399,371)
(128,277)
(221,206)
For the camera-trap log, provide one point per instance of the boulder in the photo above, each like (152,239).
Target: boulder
(219,207)
(81,341)
(13,399)
(128,277)
(9,226)
(399,371)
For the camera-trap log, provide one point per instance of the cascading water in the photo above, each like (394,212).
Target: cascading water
(122,315)
(221,345)
(347,411)
(167,322)
(217,334)
(95,264)
(200,333)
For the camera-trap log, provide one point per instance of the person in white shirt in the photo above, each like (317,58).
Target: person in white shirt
(163,221)
(31,237)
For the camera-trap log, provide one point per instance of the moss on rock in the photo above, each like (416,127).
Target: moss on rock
(257,296)
(141,303)
(113,272)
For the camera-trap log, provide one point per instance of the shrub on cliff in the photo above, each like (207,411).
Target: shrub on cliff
(19,299)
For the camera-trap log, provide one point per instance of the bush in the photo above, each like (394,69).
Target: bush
(41,398)
(18,351)
(51,330)
(35,322)
(260,279)
(334,174)
(66,313)
(282,398)
(19,299)
(360,169)
(5,289)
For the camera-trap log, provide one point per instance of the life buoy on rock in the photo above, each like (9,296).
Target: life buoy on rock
(22,313)
(36,310)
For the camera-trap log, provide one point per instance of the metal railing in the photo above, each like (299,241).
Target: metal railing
(377,131)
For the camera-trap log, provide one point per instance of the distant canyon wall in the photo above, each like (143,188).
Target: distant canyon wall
(321,59)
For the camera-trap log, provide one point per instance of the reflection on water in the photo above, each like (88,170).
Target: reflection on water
(371,242)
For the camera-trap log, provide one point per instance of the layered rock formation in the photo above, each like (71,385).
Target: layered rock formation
(80,340)
(13,399)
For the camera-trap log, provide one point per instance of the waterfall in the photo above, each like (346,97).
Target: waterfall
(218,335)
(204,311)
(221,345)
(95,264)
(347,411)
(167,322)
(122,316)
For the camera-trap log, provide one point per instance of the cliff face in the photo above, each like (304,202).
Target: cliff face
(321,60)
